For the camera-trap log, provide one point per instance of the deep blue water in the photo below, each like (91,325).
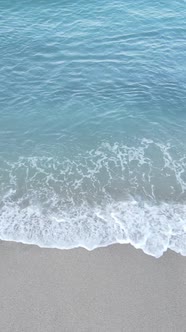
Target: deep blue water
(93,123)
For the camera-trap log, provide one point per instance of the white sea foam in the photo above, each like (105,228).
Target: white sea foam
(114,194)
(154,229)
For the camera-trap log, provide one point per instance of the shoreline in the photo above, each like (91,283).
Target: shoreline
(81,247)
(84,248)
(115,288)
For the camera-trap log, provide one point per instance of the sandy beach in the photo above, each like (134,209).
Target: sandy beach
(117,288)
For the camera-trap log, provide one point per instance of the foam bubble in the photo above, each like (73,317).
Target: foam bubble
(114,194)
(154,229)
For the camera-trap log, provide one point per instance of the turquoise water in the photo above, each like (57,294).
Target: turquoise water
(92,123)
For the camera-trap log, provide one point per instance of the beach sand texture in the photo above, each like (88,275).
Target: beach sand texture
(117,288)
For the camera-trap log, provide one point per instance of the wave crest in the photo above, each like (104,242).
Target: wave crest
(114,194)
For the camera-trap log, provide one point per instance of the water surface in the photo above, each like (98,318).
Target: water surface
(92,123)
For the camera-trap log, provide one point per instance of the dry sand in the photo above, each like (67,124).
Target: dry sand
(117,288)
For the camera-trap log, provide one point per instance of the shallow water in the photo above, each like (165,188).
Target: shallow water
(92,123)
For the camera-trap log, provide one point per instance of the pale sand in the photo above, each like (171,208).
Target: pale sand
(117,288)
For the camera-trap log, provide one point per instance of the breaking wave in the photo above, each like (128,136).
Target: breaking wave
(113,194)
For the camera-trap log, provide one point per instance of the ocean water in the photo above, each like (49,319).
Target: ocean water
(93,123)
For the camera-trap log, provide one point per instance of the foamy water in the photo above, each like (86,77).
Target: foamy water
(92,124)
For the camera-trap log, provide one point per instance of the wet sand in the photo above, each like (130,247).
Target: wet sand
(117,288)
